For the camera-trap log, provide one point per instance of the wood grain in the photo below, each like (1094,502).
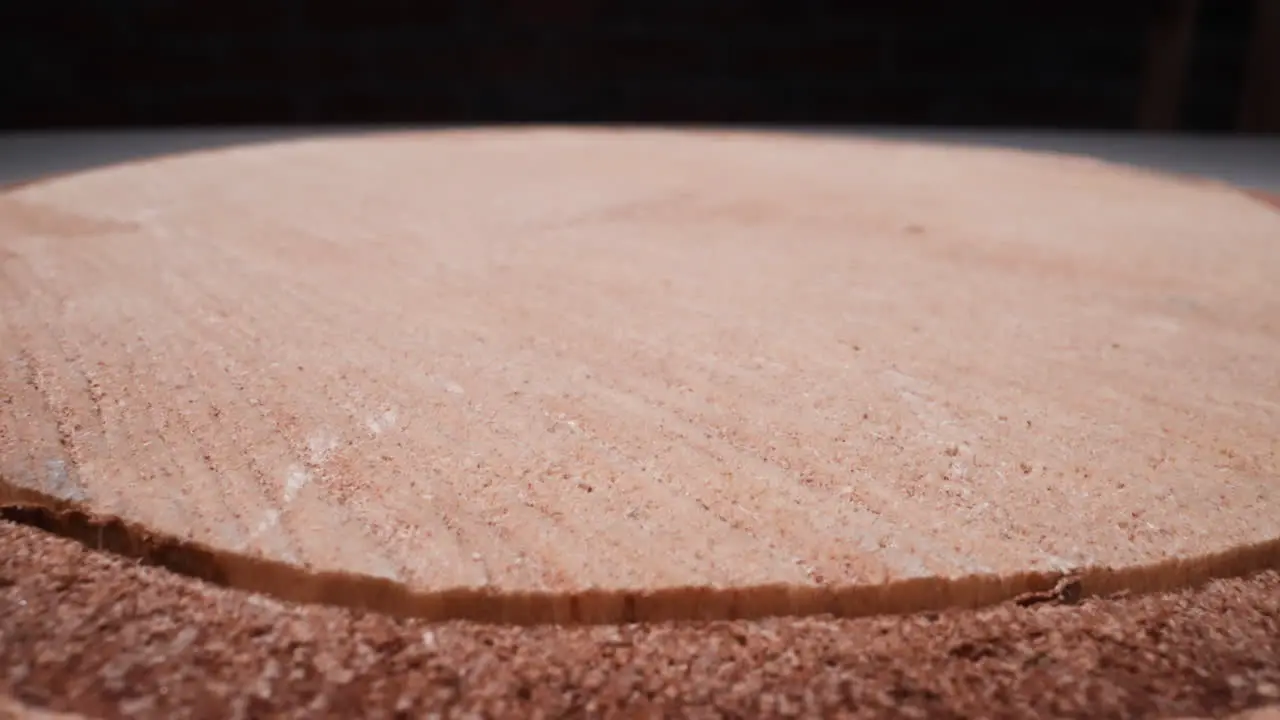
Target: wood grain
(597,375)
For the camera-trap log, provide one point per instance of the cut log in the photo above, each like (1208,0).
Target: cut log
(600,375)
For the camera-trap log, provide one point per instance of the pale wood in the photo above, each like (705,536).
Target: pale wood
(599,375)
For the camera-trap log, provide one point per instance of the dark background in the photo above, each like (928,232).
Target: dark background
(1125,64)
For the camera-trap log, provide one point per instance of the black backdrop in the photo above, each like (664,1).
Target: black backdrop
(1065,64)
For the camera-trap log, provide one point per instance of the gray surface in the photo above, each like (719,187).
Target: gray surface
(1252,162)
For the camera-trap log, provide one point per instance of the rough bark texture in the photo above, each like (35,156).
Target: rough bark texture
(102,636)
